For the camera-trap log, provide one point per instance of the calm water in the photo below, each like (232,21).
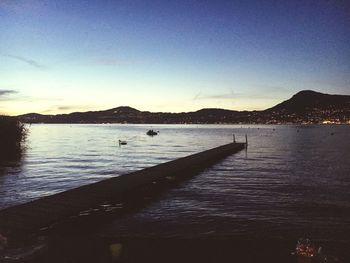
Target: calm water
(292,181)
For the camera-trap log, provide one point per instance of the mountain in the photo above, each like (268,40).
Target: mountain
(311,107)
(308,100)
(304,107)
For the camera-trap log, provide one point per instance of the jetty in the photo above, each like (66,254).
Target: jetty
(30,217)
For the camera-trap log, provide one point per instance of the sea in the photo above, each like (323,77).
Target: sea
(292,181)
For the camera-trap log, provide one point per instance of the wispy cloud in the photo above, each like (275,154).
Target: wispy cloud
(197,96)
(66,107)
(5,94)
(58,109)
(264,92)
(28,61)
(229,95)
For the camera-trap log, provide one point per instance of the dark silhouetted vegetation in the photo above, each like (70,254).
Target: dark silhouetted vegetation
(12,136)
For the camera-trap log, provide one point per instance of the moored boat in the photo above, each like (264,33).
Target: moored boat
(122,142)
(152,133)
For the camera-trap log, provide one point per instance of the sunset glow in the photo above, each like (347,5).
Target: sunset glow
(65,56)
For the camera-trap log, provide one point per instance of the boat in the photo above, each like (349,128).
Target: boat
(152,133)
(122,142)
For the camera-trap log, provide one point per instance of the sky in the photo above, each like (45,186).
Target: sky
(173,56)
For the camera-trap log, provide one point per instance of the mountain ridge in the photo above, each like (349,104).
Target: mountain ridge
(307,99)
(306,106)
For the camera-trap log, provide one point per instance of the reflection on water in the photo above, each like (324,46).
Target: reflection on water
(10,167)
(10,174)
(291,182)
(11,160)
(60,157)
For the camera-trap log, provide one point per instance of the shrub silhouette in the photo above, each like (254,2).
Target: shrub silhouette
(12,136)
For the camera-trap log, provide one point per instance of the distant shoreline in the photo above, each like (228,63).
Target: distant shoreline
(305,107)
(194,124)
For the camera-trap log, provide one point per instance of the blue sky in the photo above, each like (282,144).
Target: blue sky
(64,56)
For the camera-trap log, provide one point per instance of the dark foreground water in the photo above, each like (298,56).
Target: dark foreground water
(293,181)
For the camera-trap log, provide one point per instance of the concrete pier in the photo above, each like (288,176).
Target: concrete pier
(32,216)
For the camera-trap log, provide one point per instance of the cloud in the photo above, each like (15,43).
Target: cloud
(218,96)
(197,96)
(264,92)
(30,62)
(201,96)
(66,107)
(5,94)
(59,109)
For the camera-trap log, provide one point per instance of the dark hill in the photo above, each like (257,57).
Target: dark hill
(122,110)
(304,107)
(308,100)
(214,111)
